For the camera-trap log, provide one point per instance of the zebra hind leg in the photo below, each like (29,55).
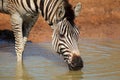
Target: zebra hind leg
(16,22)
(28,22)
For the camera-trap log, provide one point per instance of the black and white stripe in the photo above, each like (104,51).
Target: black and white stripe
(65,38)
(58,14)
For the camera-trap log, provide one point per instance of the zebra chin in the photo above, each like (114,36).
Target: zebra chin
(76,63)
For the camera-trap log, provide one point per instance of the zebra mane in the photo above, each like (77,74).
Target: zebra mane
(69,12)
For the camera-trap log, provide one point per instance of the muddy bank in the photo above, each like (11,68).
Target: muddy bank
(98,19)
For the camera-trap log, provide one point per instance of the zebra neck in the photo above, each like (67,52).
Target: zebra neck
(42,7)
(48,9)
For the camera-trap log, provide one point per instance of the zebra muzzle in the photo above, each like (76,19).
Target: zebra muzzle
(76,63)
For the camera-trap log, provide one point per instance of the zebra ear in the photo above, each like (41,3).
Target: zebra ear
(60,12)
(77,9)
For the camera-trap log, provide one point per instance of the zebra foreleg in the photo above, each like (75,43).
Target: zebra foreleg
(16,22)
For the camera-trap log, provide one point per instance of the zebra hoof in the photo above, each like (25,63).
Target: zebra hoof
(76,63)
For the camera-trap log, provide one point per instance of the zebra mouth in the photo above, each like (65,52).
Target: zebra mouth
(76,64)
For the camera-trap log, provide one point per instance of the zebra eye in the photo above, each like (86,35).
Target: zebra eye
(60,13)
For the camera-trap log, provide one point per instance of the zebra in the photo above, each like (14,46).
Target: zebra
(59,14)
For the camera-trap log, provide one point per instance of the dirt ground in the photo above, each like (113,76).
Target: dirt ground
(98,19)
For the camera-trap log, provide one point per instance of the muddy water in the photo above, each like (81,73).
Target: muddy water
(101,62)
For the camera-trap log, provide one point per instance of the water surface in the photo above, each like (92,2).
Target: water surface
(101,62)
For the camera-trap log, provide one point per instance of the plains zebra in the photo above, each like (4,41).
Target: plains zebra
(59,15)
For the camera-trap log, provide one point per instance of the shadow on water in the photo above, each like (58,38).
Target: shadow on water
(31,49)
(40,62)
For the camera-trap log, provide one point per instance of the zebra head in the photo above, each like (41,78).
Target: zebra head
(65,37)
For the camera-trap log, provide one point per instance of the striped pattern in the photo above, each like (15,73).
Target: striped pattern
(58,14)
(65,38)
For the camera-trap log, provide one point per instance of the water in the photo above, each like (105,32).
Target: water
(101,62)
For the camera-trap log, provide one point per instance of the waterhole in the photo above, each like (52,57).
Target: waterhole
(101,62)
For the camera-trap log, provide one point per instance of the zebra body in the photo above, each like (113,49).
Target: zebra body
(58,14)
